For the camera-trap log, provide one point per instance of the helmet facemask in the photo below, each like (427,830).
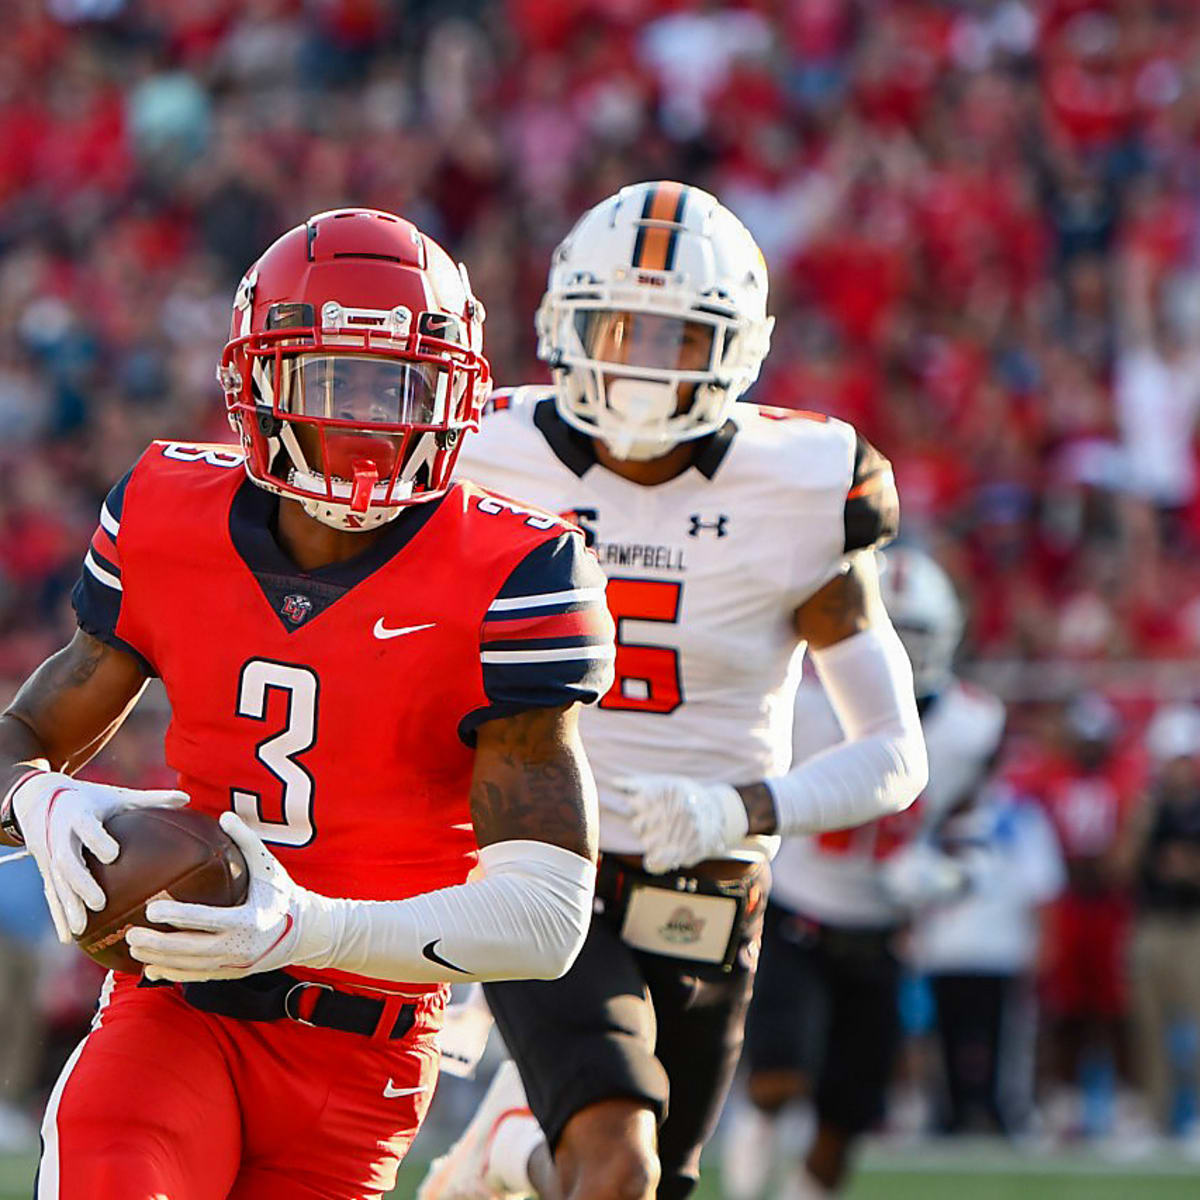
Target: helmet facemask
(624,362)
(358,417)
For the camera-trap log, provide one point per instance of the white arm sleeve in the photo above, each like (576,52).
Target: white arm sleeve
(881,767)
(524,917)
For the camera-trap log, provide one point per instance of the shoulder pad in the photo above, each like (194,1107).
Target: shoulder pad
(521,399)
(213,454)
(872,513)
(773,413)
(494,504)
(498,401)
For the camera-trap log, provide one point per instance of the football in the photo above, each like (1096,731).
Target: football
(164,851)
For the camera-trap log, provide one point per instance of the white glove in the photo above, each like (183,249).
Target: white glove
(680,822)
(919,876)
(58,817)
(268,930)
(463,1036)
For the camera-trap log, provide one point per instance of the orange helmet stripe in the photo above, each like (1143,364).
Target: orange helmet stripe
(654,247)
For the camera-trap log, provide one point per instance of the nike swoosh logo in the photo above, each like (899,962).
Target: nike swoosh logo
(391,1092)
(433,956)
(383,633)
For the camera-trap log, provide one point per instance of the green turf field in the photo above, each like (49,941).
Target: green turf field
(967,1173)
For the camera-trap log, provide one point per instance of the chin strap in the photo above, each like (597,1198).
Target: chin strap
(366,476)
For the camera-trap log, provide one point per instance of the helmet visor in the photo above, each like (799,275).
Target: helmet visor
(641,339)
(364,389)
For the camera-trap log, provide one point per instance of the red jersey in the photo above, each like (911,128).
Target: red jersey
(1088,808)
(335,709)
(1089,811)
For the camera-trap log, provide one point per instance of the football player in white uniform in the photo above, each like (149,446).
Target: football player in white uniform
(731,536)
(824,1019)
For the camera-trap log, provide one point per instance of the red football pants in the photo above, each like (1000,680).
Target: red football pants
(163,1102)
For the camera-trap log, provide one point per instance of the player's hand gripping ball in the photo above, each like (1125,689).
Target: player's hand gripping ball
(164,852)
(62,819)
(280,924)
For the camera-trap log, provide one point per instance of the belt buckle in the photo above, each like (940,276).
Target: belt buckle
(299,987)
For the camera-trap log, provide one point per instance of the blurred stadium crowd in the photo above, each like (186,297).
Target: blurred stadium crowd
(981,220)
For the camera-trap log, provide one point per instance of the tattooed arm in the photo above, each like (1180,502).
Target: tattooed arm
(532,781)
(67,710)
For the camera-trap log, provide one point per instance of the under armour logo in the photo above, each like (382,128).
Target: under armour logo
(697,525)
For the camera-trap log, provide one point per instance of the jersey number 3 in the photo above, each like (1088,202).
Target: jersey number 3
(647,677)
(278,753)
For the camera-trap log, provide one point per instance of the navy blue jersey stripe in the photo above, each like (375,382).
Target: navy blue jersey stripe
(526,686)
(97,604)
(115,501)
(97,609)
(562,564)
(554,566)
(569,679)
(106,563)
(497,619)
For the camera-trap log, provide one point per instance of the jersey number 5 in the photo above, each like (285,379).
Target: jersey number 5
(647,677)
(278,753)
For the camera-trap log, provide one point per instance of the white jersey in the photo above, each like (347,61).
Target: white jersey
(994,927)
(832,877)
(705,573)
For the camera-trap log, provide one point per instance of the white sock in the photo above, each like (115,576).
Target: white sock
(800,1185)
(797,1126)
(748,1153)
(516,1138)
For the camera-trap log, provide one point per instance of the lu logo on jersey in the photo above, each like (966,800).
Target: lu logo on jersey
(296,607)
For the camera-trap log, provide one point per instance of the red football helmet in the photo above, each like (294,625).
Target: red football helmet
(354,366)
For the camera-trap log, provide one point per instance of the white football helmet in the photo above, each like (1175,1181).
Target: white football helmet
(924,608)
(1174,732)
(656,287)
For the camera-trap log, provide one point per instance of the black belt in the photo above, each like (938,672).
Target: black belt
(614,878)
(277,996)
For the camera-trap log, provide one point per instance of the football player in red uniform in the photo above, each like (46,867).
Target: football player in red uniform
(1090,786)
(374,671)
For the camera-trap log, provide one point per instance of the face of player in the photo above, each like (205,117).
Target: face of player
(363,389)
(638,339)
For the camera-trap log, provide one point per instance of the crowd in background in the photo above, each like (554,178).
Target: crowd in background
(980,217)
